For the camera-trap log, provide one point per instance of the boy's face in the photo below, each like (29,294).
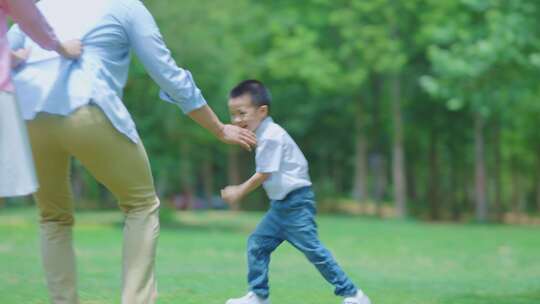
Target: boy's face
(245,114)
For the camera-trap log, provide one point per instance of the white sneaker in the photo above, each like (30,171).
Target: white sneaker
(249,298)
(359,298)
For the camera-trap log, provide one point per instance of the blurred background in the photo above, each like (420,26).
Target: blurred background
(423,110)
(404,108)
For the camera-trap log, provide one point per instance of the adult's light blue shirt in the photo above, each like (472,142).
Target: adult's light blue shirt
(109,30)
(278,155)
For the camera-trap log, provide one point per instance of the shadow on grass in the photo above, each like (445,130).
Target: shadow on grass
(531,297)
(220,223)
(198,227)
(206,227)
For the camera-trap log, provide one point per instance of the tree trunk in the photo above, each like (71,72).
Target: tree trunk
(480,169)
(337,175)
(105,197)
(233,170)
(77,181)
(433,183)
(515,197)
(497,174)
(538,195)
(411,182)
(455,193)
(378,159)
(208,179)
(538,183)
(398,163)
(186,174)
(360,172)
(467,191)
(379,166)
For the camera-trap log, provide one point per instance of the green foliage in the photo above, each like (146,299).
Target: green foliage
(328,66)
(476,49)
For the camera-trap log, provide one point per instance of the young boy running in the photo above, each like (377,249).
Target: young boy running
(282,169)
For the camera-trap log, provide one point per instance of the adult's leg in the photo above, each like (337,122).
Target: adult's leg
(261,243)
(301,232)
(54,200)
(123,167)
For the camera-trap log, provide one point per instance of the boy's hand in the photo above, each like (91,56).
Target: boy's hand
(231,194)
(235,135)
(19,56)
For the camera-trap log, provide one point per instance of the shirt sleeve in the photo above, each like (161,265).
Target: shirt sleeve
(32,22)
(177,84)
(268,156)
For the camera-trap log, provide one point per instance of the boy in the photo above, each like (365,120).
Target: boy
(282,169)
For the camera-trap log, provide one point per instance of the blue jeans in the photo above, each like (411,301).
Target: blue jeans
(292,219)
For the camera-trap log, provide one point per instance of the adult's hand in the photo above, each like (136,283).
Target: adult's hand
(71,49)
(19,56)
(231,134)
(227,133)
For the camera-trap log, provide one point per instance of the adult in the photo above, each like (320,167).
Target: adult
(17,175)
(75,109)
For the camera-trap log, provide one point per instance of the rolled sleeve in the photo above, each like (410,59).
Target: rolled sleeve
(185,105)
(176,84)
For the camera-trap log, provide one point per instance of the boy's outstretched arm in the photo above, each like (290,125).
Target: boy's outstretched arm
(233,194)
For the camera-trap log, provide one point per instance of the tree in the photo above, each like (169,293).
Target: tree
(478,48)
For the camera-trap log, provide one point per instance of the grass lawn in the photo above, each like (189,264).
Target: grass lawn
(201,259)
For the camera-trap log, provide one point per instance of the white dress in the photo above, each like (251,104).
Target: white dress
(17,174)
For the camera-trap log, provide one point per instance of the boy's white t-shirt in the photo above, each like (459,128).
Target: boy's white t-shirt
(279,155)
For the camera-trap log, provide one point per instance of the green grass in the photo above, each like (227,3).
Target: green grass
(201,259)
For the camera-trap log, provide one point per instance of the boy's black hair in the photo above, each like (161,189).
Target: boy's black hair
(260,95)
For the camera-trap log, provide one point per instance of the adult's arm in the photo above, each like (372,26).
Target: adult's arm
(177,84)
(31,21)
(229,134)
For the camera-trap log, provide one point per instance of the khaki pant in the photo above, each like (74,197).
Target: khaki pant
(119,164)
